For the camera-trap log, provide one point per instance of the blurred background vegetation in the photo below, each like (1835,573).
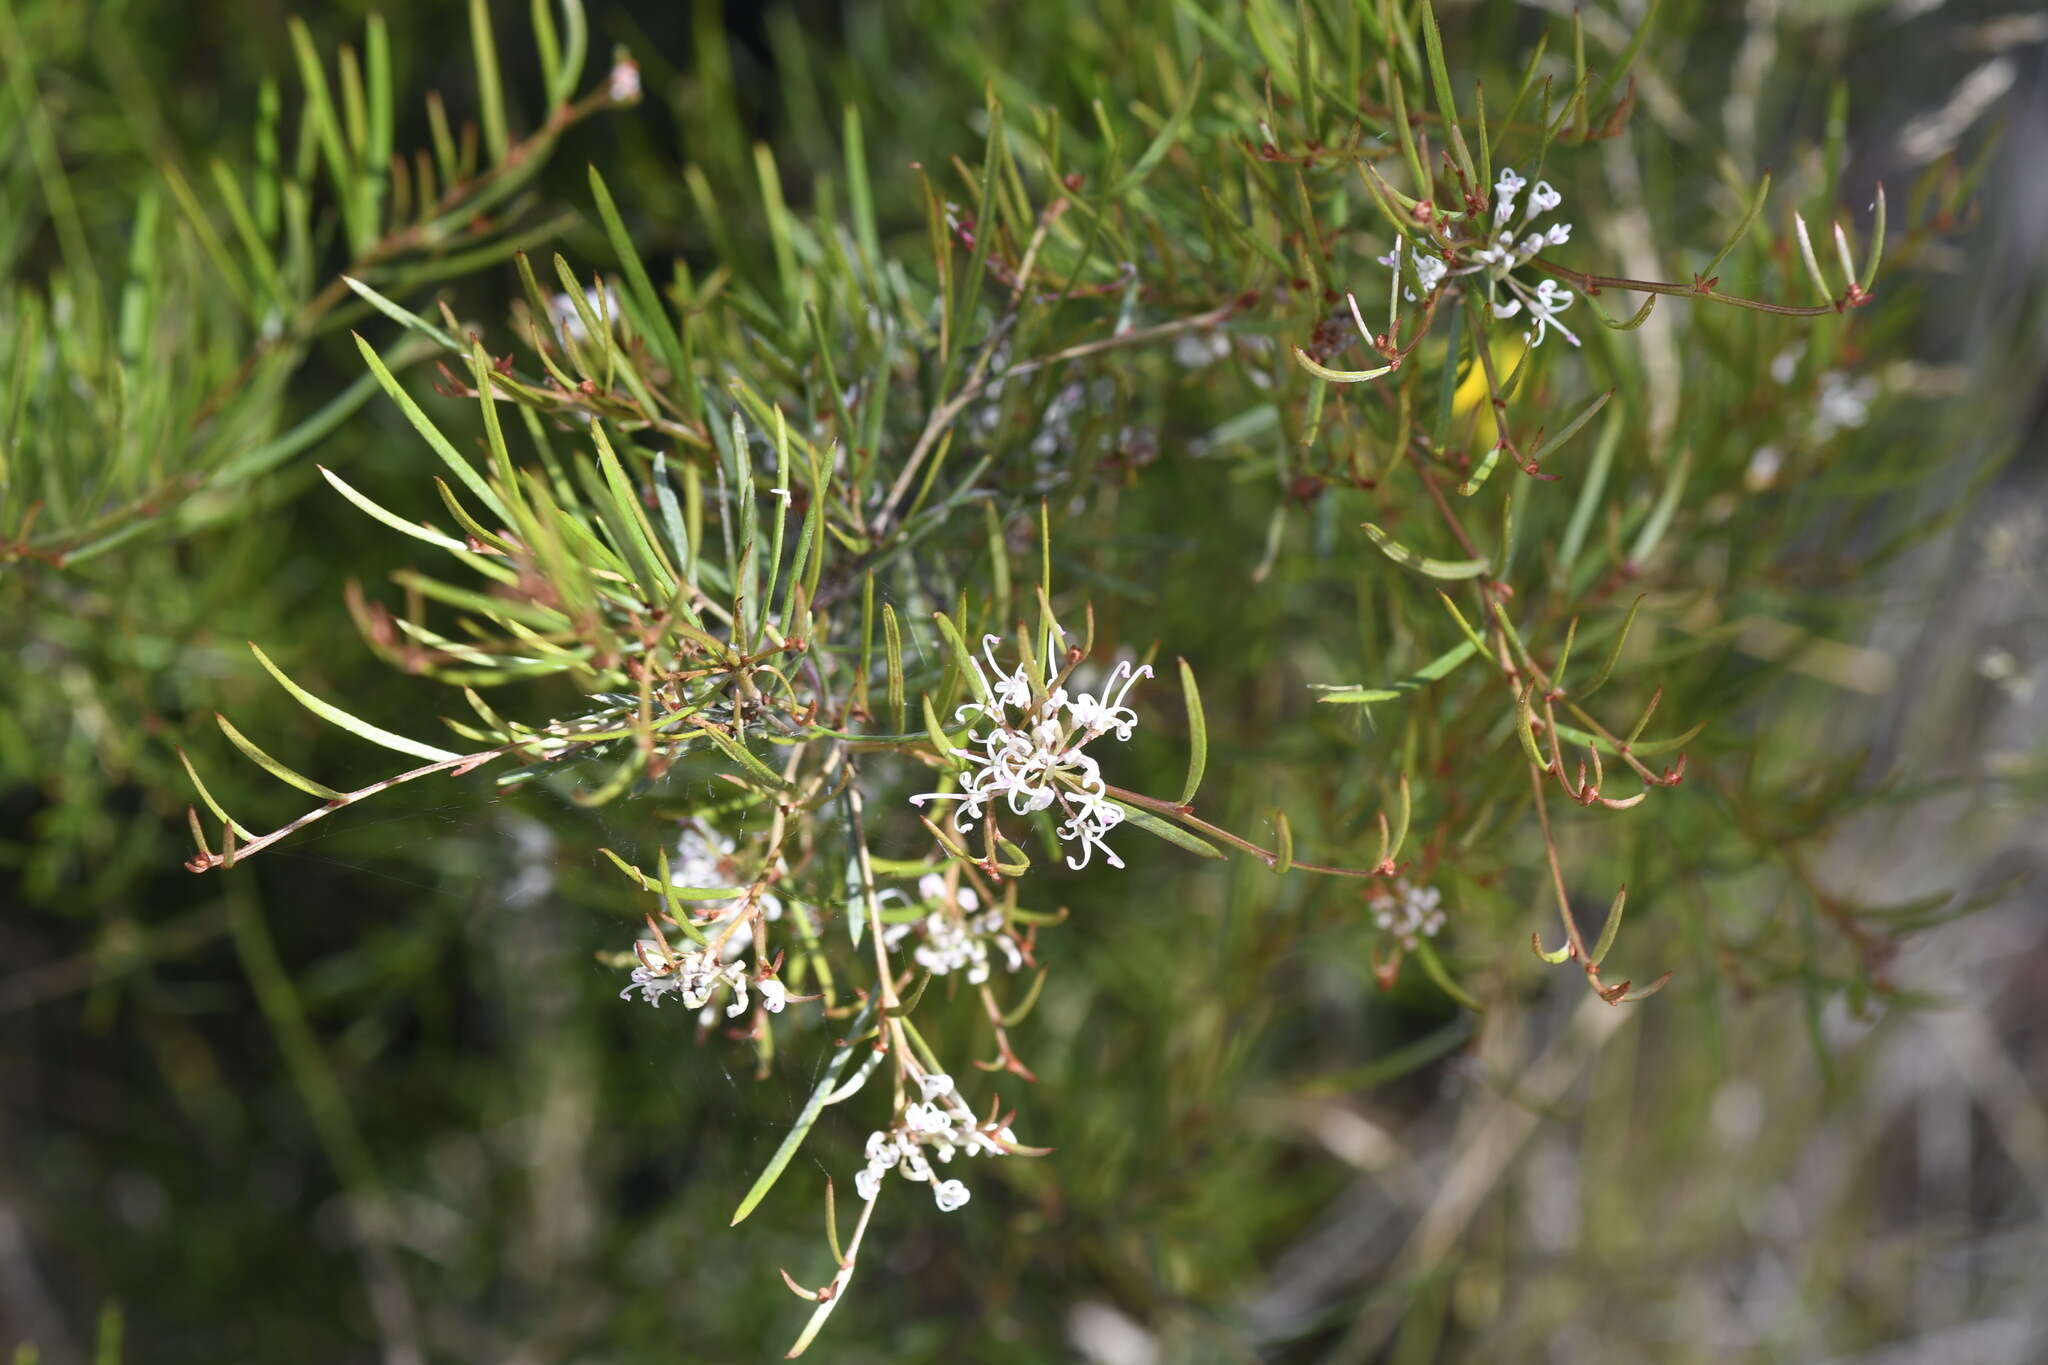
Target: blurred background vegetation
(372,1096)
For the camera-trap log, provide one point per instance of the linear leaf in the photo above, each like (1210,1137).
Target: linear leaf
(461,468)
(391,519)
(1435,568)
(1435,669)
(273,767)
(1198,735)
(1161,829)
(828,1081)
(334,715)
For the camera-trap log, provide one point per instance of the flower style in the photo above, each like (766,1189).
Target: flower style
(957,934)
(1031,757)
(1408,912)
(1501,254)
(937,1126)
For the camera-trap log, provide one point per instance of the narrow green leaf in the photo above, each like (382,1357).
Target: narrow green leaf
(1614,654)
(1483,473)
(1198,735)
(1433,968)
(1589,492)
(1546,446)
(1161,829)
(490,87)
(1435,568)
(1436,669)
(391,519)
(401,315)
(1446,104)
(1162,143)
(207,797)
(1661,514)
(1322,371)
(325,128)
(739,754)
(650,314)
(461,468)
(273,767)
(1756,205)
(334,715)
(665,888)
(1611,927)
(892,653)
(963,658)
(828,1081)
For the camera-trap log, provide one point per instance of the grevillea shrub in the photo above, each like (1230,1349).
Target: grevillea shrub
(1309,479)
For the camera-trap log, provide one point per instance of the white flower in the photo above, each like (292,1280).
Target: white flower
(1096,717)
(1408,912)
(1763,468)
(927,1118)
(652,985)
(704,860)
(1197,350)
(1430,270)
(1549,301)
(1505,187)
(941,1125)
(1032,755)
(697,976)
(932,887)
(694,976)
(1088,824)
(956,935)
(1843,402)
(699,860)
(1500,254)
(624,83)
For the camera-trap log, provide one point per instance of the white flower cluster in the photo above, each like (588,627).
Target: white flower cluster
(957,933)
(705,860)
(1031,757)
(1842,403)
(696,977)
(1408,912)
(1503,253)
(940,1124)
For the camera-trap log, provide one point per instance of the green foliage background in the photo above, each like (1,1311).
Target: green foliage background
(1259,1155)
